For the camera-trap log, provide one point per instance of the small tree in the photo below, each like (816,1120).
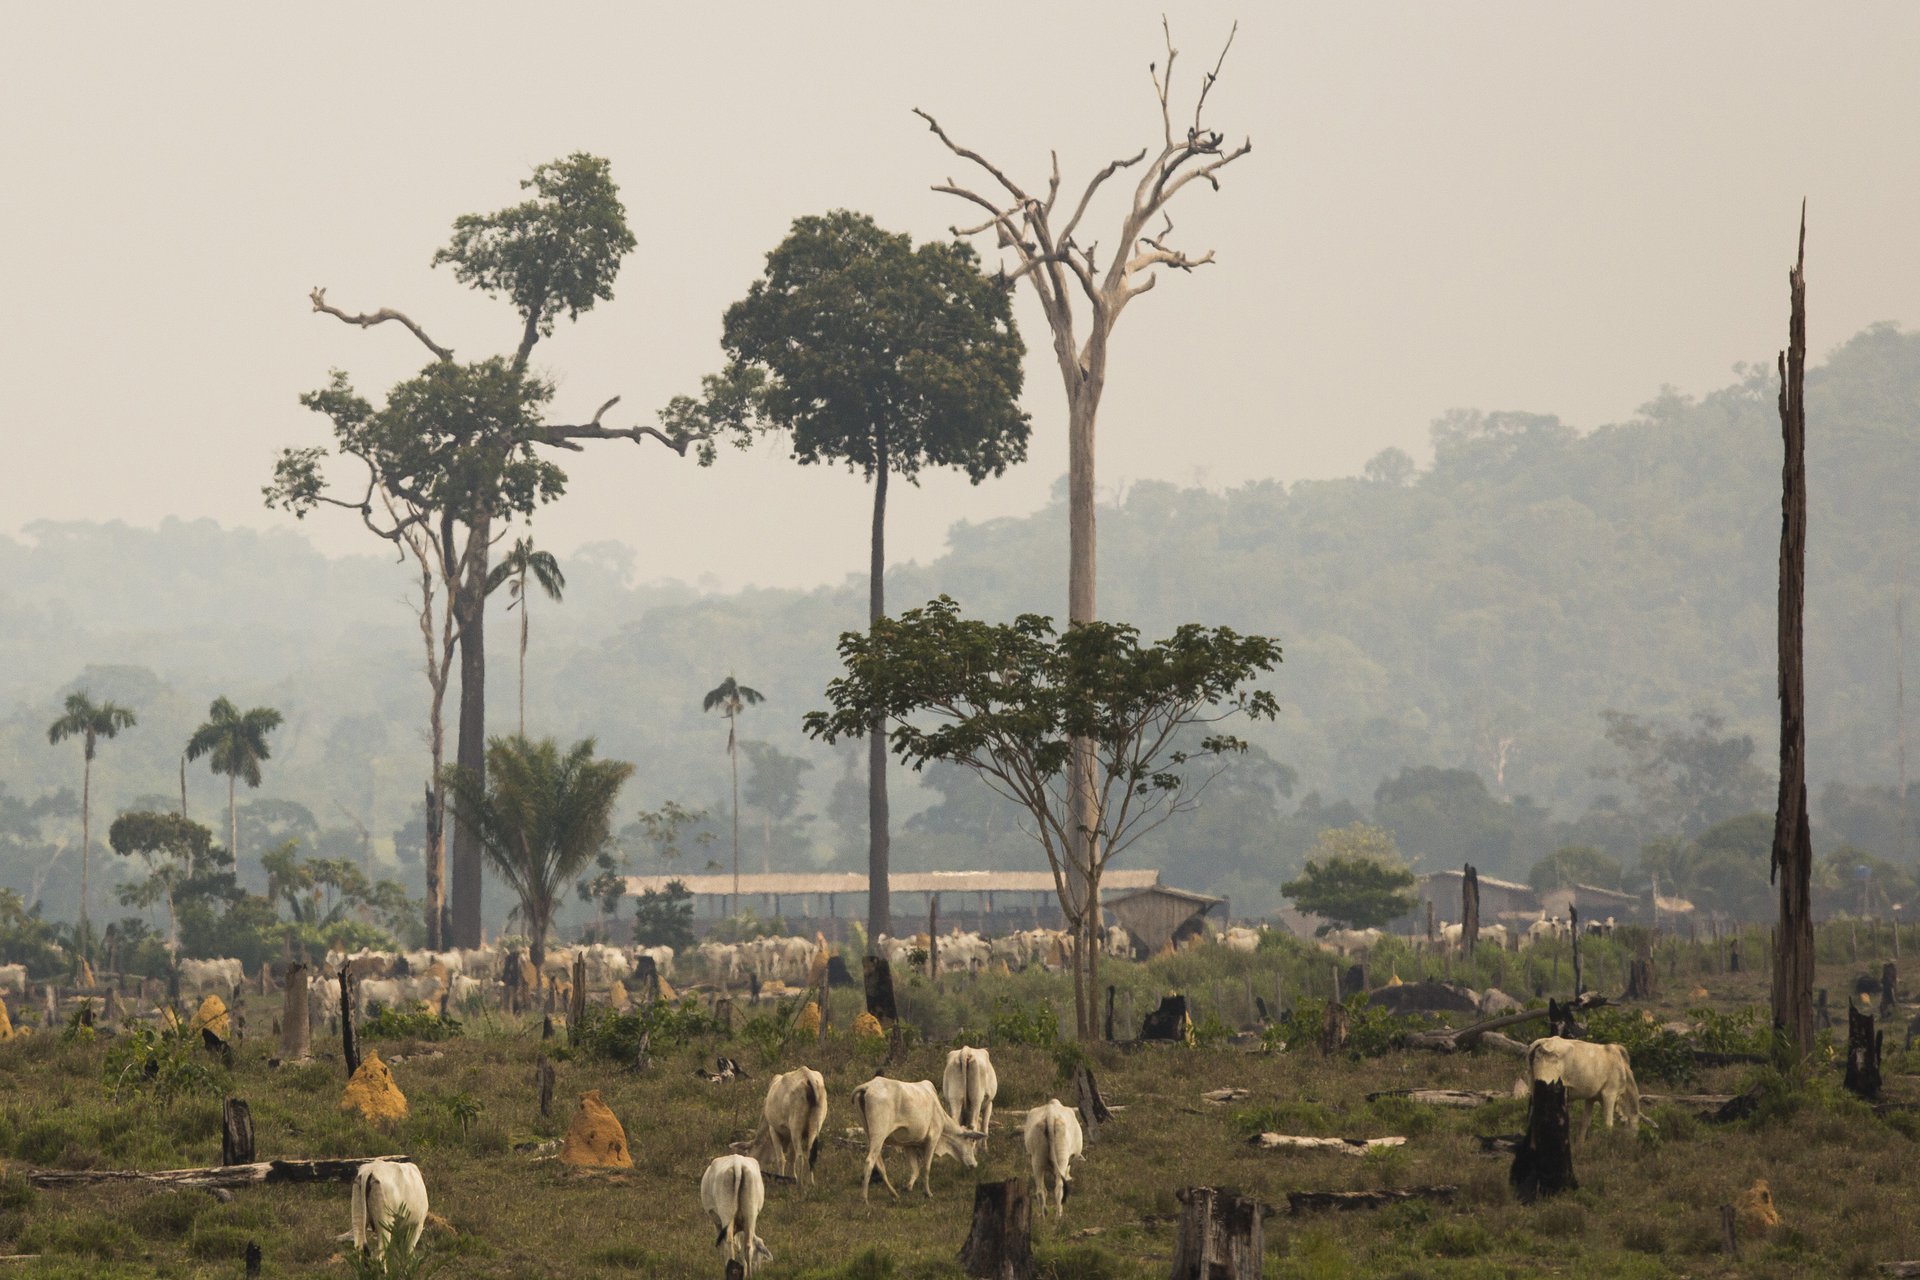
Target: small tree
(730,698)
(1355,879)
(235,743)
(1010,700)
(512,572)
(90,722)
(664,918)
(180,858)
(541,817)
(774,788)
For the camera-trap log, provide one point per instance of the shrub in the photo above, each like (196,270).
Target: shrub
(166,1064)
(1016,1022)
(1741,1031)
(1456,1240)
(1657,1053)
(608,1034)
(397,1024)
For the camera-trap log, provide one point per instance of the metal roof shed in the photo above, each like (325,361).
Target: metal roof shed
(1155,914)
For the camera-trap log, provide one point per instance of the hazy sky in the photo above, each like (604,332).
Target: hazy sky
(1553,207)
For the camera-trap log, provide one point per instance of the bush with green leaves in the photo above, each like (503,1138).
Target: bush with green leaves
(1371,1030)
(160,1063)
(1657,1053)
(384,1023)
(1742,1031)
(665,1026)
(1020,1022)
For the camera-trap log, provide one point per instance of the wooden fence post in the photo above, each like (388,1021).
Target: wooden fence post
(544,1078)
(933,939)
(1000,1244)
(1863,1055)
(236,1133)
(1220,1235)
(296,1031)
(1469,910)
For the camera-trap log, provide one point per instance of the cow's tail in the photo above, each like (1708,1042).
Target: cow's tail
(974,1093)
(728,1192)
(369,1212)
(814,1106)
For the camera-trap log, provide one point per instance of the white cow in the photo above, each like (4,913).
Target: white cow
(732,1193)
(381,1191)
(1347,942)
(970,1086)
(1242,939)
(1544,929)
(1592,1073)
(896,1113)
(217,975)
(1053,1139)
(795,1113)
(13,977)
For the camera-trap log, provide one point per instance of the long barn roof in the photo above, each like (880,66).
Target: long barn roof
(722,884)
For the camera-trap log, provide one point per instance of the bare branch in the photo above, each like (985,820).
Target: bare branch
(1113,167)
(1163,85)
(319,299)
(563,436)
(966,153)
(1207,83)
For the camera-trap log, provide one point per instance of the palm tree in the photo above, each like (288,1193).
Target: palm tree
(732,697)
(541,817)
(235,743)
(514,568)
(90,722)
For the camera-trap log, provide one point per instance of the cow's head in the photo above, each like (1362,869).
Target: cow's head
(964,1145)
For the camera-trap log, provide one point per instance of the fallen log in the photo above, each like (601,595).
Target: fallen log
(1309,1201)
(1456,1041)
(1221,1235)
(1704,1101)
(233,1175)
(1348,1146)
(1886,1268)
(1442,1097)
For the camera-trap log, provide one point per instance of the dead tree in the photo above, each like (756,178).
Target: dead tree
(1792,863)
(1220,1235)
(1066,274)
(577,1001)
(1092,1107)
(234,1175)
(1469,909)
(236,1132)
(349,1033)
(1543,1166)
(878,975)
(1000,1244)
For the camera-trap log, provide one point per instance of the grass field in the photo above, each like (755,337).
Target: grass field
(1843,1177)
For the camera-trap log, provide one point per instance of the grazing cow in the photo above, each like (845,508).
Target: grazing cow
(1348,942)
(1592,1073)
(1053,1139)
(970,1086)
(1119,942)
(1545,928)
(13,977)
(217,975)
(795,1113)
(382,1190)
(1242,939)
(731,1192)
(896,1113)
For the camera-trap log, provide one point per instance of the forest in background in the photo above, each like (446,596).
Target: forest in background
(1542,638)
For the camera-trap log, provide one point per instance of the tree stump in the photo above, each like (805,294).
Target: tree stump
(878,976)
(1355,980)
(236,1133)
(1889,982)
(544,1079)
(1640,984)
(349,1034)
(1863,1055)
(1543,1166)
(1000,1244)
(1560,1019)
(1333,1034)
(1220,1235)
(1092,1107)
(1109,1027)
(646,979)
(1169,1022)
(296,1032)
(1469,909)
(577,1000)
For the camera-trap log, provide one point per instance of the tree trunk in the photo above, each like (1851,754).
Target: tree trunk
(86,838)
(1863,1055)
(523,653)
(233,824)
(295,1022)
(1000,1244)
(1083,806)
(733,758)
(1469,909)
(236,1133)
(349,1033)
(878,979)
(1220,1235)
(879,834)
(435,850)
(471,609)
(1543,1166)
(1792,865)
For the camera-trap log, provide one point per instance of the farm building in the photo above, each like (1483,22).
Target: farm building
(1158,914)
(828,902)
(1500,901)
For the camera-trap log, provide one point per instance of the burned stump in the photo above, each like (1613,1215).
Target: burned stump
(1863,1055)
(236,1133)
(878,975)
(1000,1244)
(1543,1166)
(1170,1022)
(1220,1235)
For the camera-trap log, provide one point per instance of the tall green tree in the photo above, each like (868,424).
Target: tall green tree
(885,358)
(730,698)
(91,722)
(773,788)
(1355,878)
(1012,700)
(181,859)
(235,744)
(541,816)
(453,452)
(512,572)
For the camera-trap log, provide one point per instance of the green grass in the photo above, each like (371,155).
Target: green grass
(1646,1207)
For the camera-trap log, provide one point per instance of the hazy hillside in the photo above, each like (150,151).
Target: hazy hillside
(1477,614)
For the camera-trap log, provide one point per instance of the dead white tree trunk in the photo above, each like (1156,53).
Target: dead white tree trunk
(1064,270)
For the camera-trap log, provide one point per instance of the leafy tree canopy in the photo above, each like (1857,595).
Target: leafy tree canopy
(1576,864)
(1355,879)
